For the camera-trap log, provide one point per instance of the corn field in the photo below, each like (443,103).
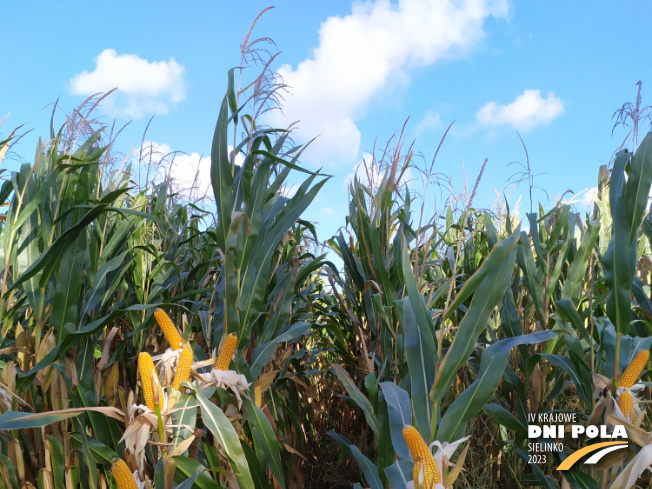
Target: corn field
(150,343)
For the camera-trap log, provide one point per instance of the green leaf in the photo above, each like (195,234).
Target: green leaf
(263,353)
(358,397)
(101,452)
(492,260)
(218,424)
(58,462)
(222,174)
(87,465)
(400,473)
(618,258)
(475,397)
(637,190)
(11,471)
(15,420)
(574,277)
(505,418)
(34,201)
(61,348)
(188,483)
(547,482)
(565,364)
(568,312)
(184,414)
(527,263)
(369,470)
(629,347)
(69,284)
(560,260)
(159,474)
(49,260)
(275,225)
(419,347)
(187,466)
(579,480)
(400,414)
(485,299)
(266,438)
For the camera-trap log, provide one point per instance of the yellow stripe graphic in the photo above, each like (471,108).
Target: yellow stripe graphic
(571,459)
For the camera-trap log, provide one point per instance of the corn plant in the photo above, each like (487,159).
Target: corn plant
(146,342)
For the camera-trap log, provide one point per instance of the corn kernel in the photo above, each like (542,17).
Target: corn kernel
(169,329)
(122,475)
(147,375)
(183,368)
(634,369)
(226,353)
(425,465)
(626,405)
(111,384)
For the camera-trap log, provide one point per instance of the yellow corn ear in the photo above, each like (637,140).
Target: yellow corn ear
(626,405)
(22,343)
(634,369)
(425,465)
(43,377)
(16,458)
(226,353)
(7,384)
(183,368)
(169,329)
(147,374)
(111,384)
(122,475)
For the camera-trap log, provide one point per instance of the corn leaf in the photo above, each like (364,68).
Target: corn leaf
(474,398)
(217,422)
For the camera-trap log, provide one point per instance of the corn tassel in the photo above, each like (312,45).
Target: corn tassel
(183,369)
(626,405)
(169,329)
(425,470)
(147,374)
(226,353)
(634,369)
(122,475)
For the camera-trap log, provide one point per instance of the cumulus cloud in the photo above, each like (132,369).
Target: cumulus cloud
(191,171)
(430,122)
(528,111)
(371,173)
(588,197)
(189,174)
(290,190)
(367,171)
(584,199)
(372,49)
(144,87)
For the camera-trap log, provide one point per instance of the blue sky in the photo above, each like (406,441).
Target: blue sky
(554,71)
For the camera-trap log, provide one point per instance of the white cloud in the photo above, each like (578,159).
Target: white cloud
(367,171)
(584,199)
(289,191)
(189,174)
(189,171)
(370,173)
(327,211)
(370,50)
(144,87)
(528,111)
(587,197)
(430,122)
